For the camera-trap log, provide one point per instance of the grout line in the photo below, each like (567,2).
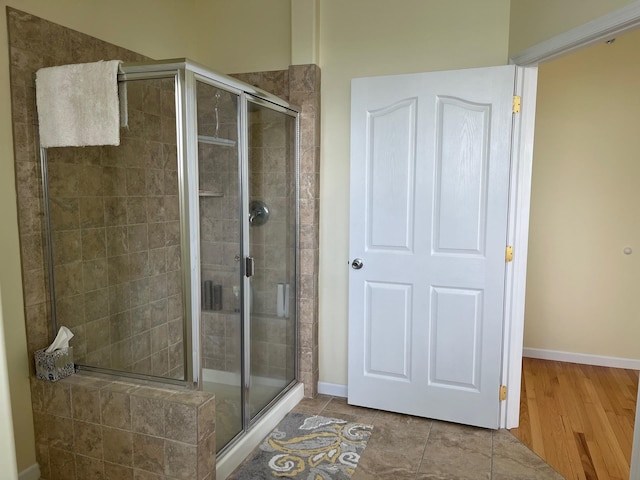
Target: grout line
(424,450)
(491,459)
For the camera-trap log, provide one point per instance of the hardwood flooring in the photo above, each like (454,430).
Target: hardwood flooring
(579,418)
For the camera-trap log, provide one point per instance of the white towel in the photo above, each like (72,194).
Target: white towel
(78,104)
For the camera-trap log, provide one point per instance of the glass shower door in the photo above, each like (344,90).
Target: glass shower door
(220,240)
(272,244)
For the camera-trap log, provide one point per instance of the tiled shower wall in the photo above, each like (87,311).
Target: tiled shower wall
(219,227)
(116,241)
(36,43)
(271,180)
(304,90)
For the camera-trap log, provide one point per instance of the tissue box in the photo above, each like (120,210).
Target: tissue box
(55,365)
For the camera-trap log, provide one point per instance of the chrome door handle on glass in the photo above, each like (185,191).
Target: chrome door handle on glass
(357,264)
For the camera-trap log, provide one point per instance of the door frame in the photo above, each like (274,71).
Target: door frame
(605,27)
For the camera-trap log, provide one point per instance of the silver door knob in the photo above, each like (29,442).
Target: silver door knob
(357,264)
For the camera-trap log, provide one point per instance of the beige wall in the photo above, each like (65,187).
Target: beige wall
(581,289)
(235,36)
(533,21)
(157,28)
(7,448)
(375,37)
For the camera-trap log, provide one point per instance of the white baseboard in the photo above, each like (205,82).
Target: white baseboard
(585,358)
(31,473)
(333,389)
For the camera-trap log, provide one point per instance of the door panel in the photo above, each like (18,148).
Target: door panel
(388,348)
(390,170)
(461,175)
(456,323)
(429,189)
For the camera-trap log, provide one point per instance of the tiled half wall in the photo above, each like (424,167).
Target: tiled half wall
(99,429)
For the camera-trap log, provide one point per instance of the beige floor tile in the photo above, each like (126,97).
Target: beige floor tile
(457,451)
(356,414)
(340,405)
(313,405)
(513,460)
(398,420)
(392,453)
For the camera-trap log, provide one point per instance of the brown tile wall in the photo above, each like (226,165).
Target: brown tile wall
(218,174)
(116,241)
(100,429)
(220,227)
(221,341)
(304,91)
(272,181)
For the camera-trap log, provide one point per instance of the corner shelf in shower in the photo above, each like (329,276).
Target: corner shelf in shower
(207,193)
(223,142)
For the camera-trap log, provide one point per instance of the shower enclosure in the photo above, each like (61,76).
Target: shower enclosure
(173,257)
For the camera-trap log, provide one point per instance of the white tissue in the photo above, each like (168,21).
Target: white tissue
(61,340)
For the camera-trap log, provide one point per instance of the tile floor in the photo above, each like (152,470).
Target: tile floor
(403,447)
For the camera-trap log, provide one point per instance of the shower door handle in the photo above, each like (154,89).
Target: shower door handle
(249,267)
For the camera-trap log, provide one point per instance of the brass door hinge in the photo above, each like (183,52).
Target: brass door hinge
(517,100)
(503,392)
(508,254)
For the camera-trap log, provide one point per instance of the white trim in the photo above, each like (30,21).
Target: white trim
(598,30)
(30,473)
(584,358)
(622,20)
(241,450)
(518,237)
(333,389)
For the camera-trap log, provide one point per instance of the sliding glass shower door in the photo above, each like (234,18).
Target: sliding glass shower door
(272,245)
(220,267)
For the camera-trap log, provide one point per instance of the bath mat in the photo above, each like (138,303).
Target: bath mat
(307,447)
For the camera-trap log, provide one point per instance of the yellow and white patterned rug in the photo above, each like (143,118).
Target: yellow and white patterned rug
(307,447)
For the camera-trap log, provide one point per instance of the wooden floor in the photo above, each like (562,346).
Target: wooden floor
(579,418)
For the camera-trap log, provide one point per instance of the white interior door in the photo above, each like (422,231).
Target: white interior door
(430,159)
